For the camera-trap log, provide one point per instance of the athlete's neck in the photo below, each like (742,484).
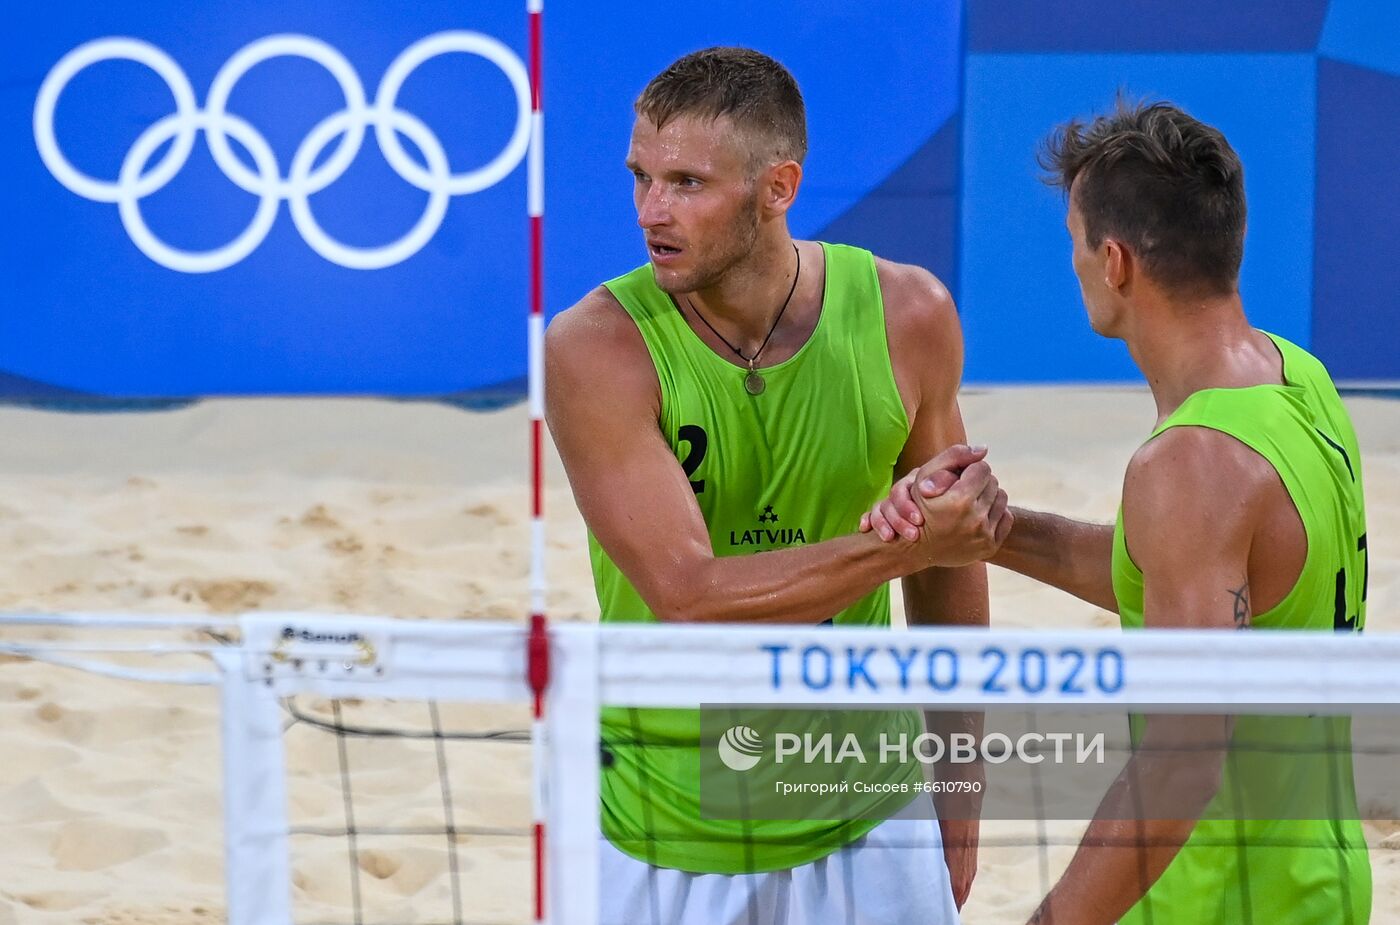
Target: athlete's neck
(1183,347)
(745,302)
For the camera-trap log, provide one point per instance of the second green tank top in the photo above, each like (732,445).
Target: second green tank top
(797,464)
(1234,868)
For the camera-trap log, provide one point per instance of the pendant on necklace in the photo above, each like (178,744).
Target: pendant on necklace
(753,383)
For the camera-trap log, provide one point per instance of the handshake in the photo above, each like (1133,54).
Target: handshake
(950,511)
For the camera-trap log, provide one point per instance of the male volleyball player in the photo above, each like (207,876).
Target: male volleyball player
(1243,508)
(725,414)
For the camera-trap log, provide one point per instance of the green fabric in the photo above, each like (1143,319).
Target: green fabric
(797,464)
(1233,868)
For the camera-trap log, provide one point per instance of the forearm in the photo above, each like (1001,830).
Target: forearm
(951,597)
(1116,863)
(1126,847)
(947,596)
(803,584)
(1071,555)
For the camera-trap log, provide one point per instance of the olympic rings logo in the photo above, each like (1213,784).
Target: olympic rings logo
(138,178)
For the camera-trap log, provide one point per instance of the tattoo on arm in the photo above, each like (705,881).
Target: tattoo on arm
(1241,595)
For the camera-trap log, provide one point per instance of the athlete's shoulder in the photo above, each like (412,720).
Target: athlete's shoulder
(595,359)
(593,335)
(598,316)
(1194,466)
(1189,449)
(1192,497)
(922,327)
(915,295)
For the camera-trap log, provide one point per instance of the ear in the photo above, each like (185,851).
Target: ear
(781,182)
(1117,265)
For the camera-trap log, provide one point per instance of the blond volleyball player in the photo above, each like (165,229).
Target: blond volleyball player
(1244,508)
(726,412)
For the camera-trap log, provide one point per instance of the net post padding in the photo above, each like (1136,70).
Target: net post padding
(572,780)
(256,858)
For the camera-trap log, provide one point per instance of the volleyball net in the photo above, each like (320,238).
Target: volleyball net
(373,766)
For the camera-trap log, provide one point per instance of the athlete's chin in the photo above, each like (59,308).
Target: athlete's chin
(667,280)
(675,280)
(1102,322)
(1106,326)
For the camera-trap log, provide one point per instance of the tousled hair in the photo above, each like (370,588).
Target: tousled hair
(757,94)
(1165,184)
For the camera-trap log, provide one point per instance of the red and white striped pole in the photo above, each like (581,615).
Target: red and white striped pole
(538,667)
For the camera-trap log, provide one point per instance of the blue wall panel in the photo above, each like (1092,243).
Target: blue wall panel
(1356,328)
(1091,26)
(919,151)
(912,217)
(1363,32)
(1020,302)
(877,88)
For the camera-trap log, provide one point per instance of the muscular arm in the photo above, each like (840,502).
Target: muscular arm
(926,348)
(1191,500)
(1071,555)
(603,405)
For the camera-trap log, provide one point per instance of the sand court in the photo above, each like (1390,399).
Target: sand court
(111,788)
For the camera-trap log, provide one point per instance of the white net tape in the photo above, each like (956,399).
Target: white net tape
(281,656)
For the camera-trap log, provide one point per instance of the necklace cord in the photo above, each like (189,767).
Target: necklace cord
(753,360)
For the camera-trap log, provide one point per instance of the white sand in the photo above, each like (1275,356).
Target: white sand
(110,790)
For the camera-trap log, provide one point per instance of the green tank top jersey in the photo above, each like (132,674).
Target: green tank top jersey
(1235,868)
(797,464)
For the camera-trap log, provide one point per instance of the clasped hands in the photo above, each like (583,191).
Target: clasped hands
(951,508)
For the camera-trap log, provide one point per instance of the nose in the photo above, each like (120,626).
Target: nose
(653,207)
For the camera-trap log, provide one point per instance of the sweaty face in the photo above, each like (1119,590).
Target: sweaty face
(696,200)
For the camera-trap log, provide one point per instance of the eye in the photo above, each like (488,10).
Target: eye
(690,183)
(640,176)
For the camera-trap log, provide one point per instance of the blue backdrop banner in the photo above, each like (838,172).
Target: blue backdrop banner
(307,196)
(328,196)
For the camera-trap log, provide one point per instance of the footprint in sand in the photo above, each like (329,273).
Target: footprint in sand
(95,845)
(317,517)
(229,595)
(60,901)
(166,915)
(490,512)
(380,864)
(346,545)
(406,872)
(74,726)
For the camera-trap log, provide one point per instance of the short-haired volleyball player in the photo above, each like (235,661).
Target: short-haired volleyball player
(726,412)
(1243,509)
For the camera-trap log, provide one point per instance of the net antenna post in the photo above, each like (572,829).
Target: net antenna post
(537,646)
(537,676)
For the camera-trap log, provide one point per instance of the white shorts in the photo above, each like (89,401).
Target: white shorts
(894,875)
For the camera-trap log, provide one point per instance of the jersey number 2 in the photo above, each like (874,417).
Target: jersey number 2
(694,434)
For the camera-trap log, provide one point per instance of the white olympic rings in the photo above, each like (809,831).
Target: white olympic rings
(304,178)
